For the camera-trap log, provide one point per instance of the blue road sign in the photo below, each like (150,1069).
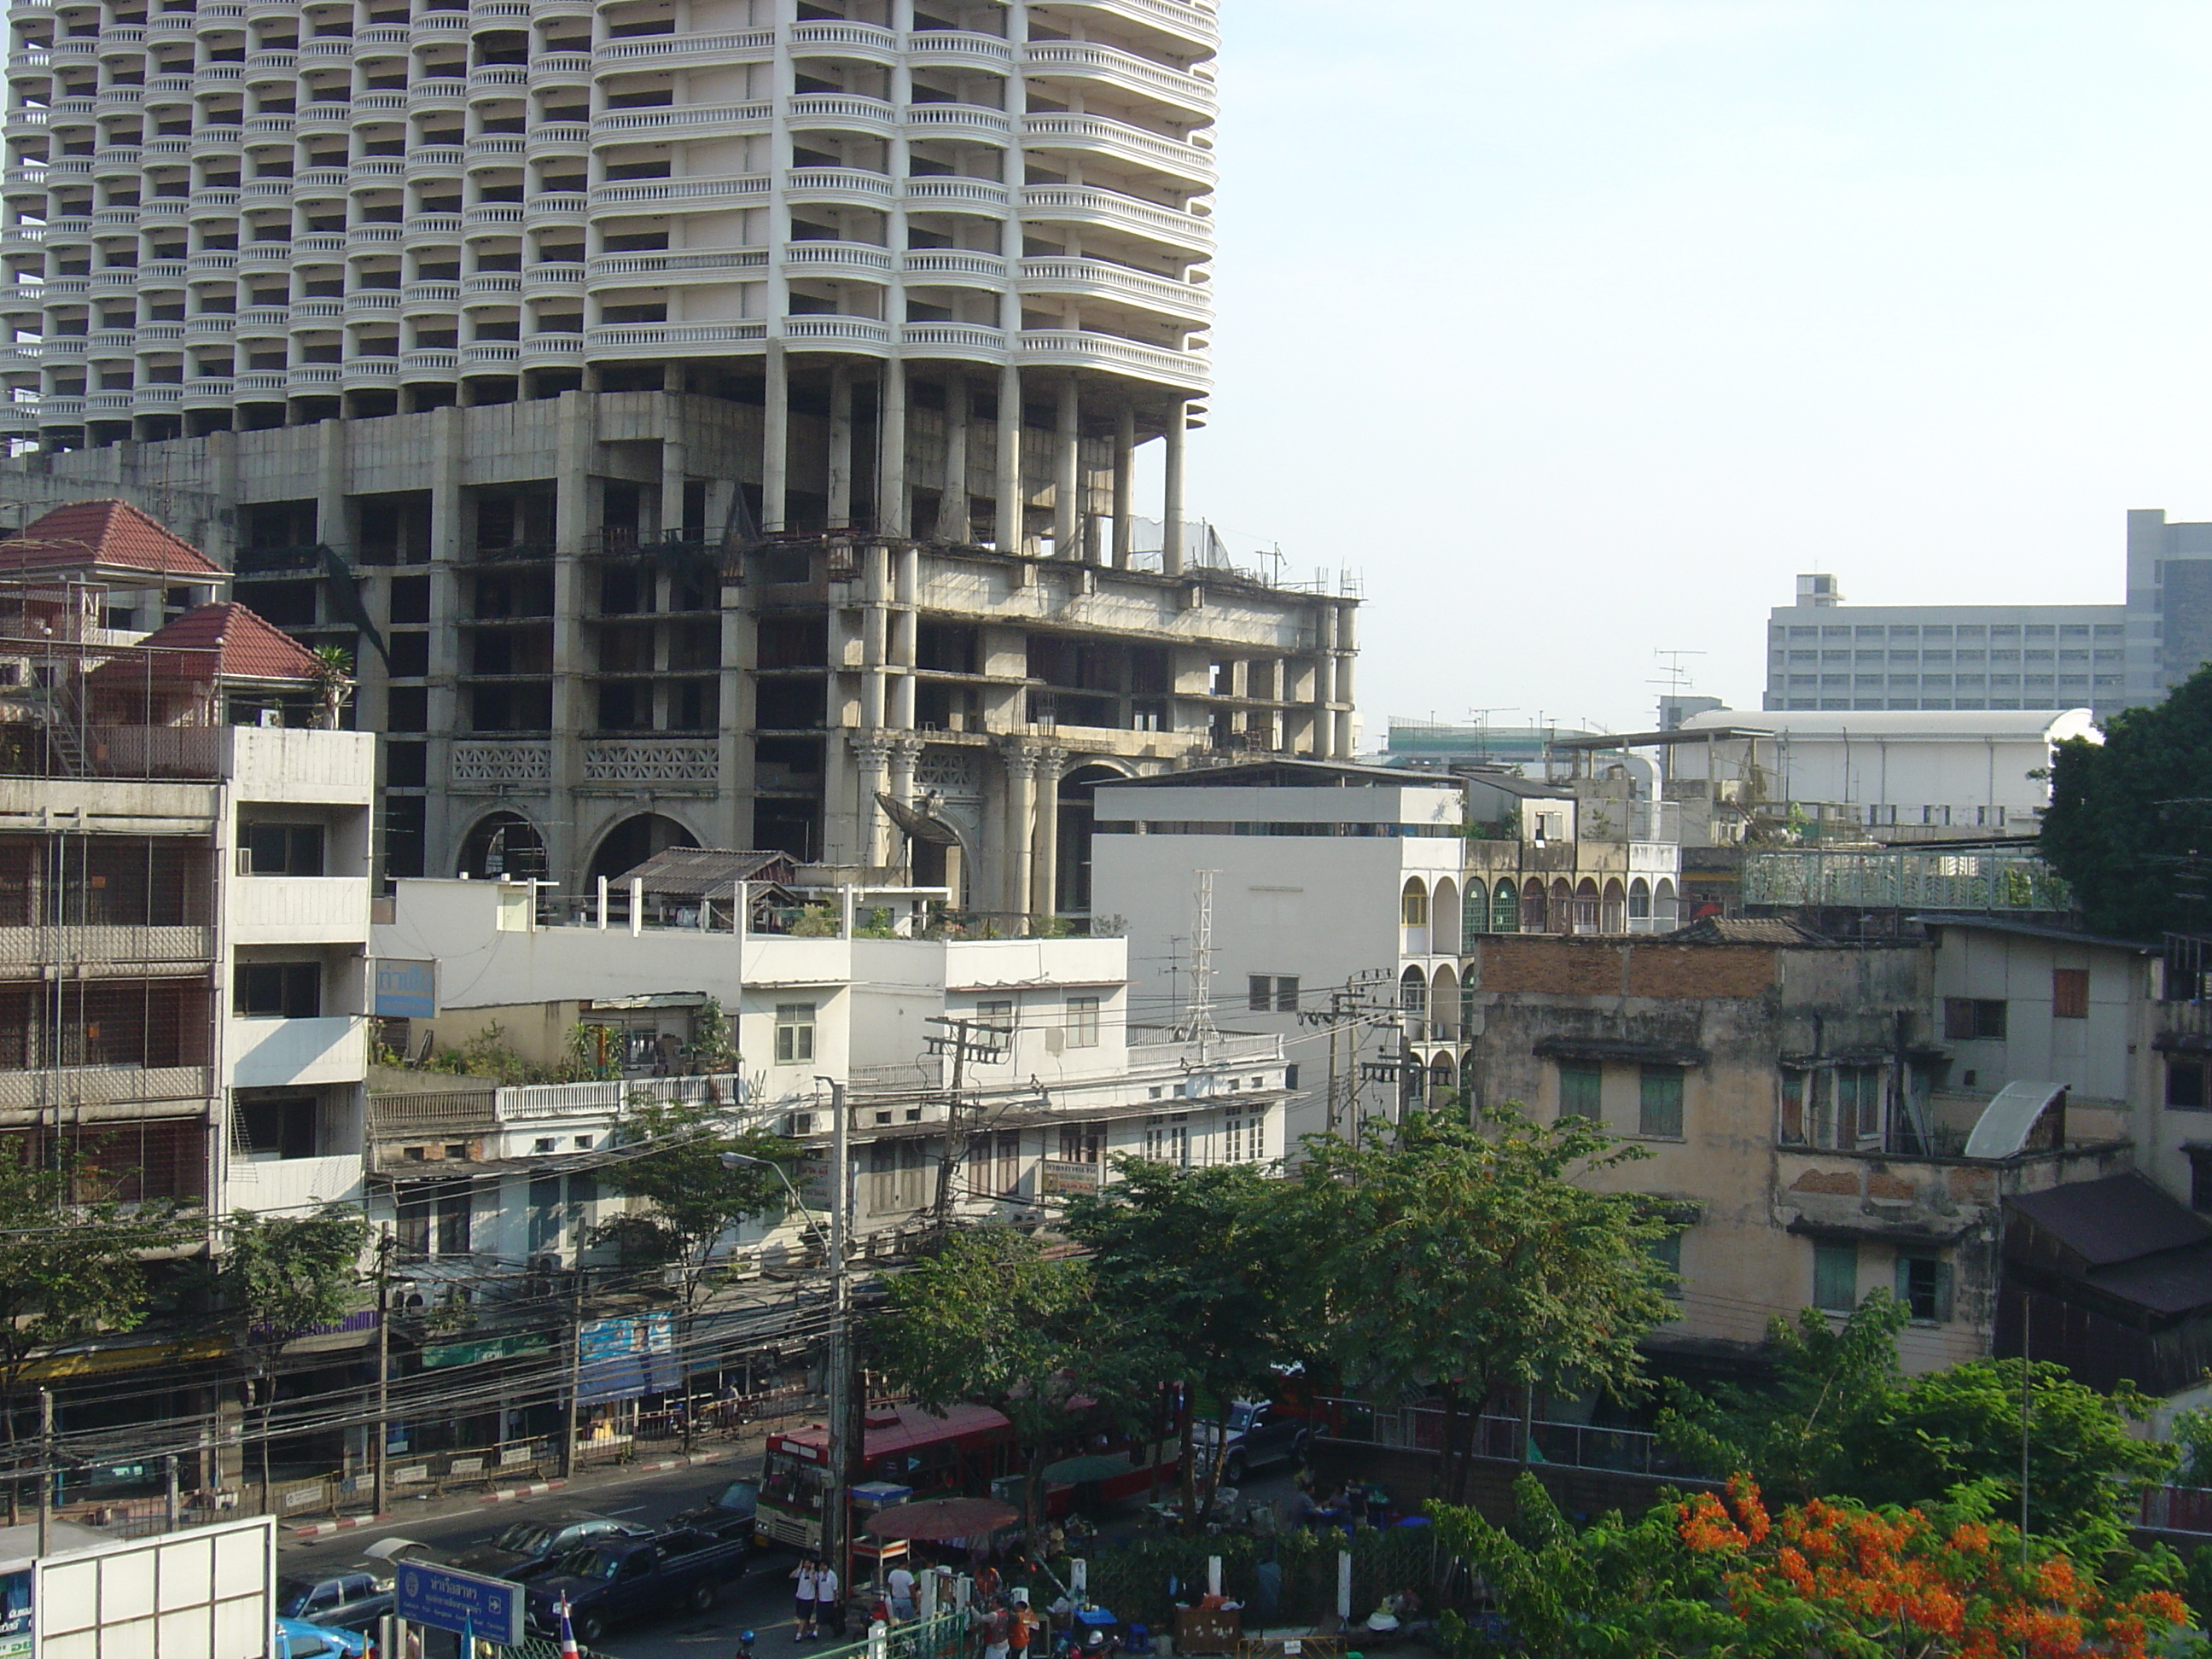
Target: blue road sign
(465,1603)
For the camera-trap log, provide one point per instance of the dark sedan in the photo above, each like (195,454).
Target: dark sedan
(523,1549)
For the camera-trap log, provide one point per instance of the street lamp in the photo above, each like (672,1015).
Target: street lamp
(731,1160)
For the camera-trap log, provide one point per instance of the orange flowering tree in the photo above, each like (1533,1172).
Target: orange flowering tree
(1827,1579)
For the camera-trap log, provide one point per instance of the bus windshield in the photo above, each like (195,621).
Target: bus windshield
(793,1484)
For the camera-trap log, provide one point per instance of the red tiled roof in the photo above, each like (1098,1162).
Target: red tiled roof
(245,647)
(112,533)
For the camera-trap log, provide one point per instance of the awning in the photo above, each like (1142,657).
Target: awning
(2007,1121)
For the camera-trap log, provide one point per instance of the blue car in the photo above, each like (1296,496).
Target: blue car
(298,1639)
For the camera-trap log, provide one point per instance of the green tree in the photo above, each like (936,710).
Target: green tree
(2129,819)
(72,1266)
(1841,1420)
(994,1319)
(1470,1259)
(280,1276)
(1186,1265)
(698,1178)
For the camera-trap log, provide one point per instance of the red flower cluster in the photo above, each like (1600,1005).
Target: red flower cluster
(1897,1578)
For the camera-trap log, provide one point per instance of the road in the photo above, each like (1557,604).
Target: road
(761,1603)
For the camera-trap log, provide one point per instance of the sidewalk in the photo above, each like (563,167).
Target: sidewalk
(743,1454)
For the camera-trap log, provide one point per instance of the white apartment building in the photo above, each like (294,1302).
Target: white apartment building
(1057,1081)
(713,421)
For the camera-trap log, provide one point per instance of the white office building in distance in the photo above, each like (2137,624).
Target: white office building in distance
(1824,655)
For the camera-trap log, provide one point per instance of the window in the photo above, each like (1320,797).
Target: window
(2069,993)
(1923,1284)
(1581,1084)
(1285,989)
(1082,1143)
(544,1213)
(1414,906)
(1793,1108)
(2200,1177)
(1659,1102)
(1232,1138)
(2184,1085)
(1967,1019)
(1858,1105)
(1083,1022)
(282,1127)
(795,1032)
(1006,1176)
(1260,994)
(278,990)
(1668,1252)
(1000,1015)
(1167,1140)
(1835,1275)
(281,849)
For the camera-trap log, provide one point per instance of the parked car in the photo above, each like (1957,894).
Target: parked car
(298,1639)
(527,1549)
(1260,1432)
(620,1578)
(349,1600)
(731,1514)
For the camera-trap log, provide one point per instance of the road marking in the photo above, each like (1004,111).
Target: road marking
(632,1510)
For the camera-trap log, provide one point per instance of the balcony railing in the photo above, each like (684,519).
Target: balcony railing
(1420,1427)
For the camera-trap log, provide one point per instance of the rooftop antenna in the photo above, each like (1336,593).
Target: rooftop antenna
(1198,1026)
(1673,673)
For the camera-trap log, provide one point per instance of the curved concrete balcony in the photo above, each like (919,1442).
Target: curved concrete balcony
(74,49)
(155,336)
(558,138)
(263,382)
(839,184)
(492,150)
(492,218)
(314,377)
(156,399)
(117,101)
(268,129)
(384,104)
(211,325)
(498,81)
(371,303)
(272,66)
(496,288)
(964,123)
(560,68)
(157,274)
(115,221)
(556,278)
(320,184)
(837,38)
(652,51)
(316,245)
(62,348)
(212,263)
(955,267)
(217,77)
(557,207)
(265,193)
(553,351)
(168,92)
(497,355)
(107,405)
(380,40)
(561,8)
(271,11)
(431,363)
(376,172)
(431,227)
(1068,348)
(434,161)
(265,322)
(310,315)
(117,161)
(862,261)
(971,342)
(25,121)
(1098,279)
(499,14)
(114,343)
(436,298)
(326,49)
(841,112)
(681,121)
(1186,233)
(209,391)
(370,371)
(444,92)
(371,239)
(219,202)
(835,333)
(683,195)
(164,213)
(959,49)
(1085,63)
(673,268)
(35,63)
(673,339)
(61,409)
(1098,135)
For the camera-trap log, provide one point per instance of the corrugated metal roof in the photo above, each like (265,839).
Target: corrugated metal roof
(2119,1218)
(699,871)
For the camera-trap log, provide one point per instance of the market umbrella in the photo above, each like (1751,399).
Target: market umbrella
(937,1519)
(1091,1466)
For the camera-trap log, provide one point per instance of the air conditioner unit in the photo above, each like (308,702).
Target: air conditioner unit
(1055,1039)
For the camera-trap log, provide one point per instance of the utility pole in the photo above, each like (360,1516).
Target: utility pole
(961,1047)
(380,1451)
(843,1420)
(46,1470)
(576,1369)
(1199,1025)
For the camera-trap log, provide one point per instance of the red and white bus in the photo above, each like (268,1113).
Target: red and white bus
(963,1449)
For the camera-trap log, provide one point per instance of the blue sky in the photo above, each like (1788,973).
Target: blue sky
(1578,328)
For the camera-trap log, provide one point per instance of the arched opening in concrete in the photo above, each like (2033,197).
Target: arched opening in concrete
(1535,918)
(632,841)
(1413,918)
(1079,823)
(1444,919)
(1613,909)
(503,846)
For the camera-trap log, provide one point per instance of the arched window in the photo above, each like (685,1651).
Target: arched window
(1474,912)
(1505,909)
(1613,909)
(1534,912)
(1665,909)
(1563,906)
(1444,931)
(1413,916)
(1440,1077)
(505,847)
(1413,1003)
(1443,1006)
(1639,903)
(634,840)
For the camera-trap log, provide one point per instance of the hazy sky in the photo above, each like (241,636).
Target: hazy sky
(1578,328)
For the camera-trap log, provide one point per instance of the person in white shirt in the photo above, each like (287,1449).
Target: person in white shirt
(901,1581)
(826,1605)
(807,1597)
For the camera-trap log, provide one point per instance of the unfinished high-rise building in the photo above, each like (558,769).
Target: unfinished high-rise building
(714,420)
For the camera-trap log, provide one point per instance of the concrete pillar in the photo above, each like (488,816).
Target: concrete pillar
(905,622)
(331,526)
(906,754)
(1044,880)
(952,504)
(1066,472)
(1125,452)
(1015,880)
(1171,495)
(891,504)
(673,461)
(576,448)
(448,541)
(875,636)
(1010,509)
(776,441)
(1322,738)
(1348,646)
(840,446)
(872,755)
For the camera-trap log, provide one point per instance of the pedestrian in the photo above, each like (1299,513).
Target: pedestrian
(901,1581)
(826,1597)
(807,1595)
(997,1626)
(1021,1633)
